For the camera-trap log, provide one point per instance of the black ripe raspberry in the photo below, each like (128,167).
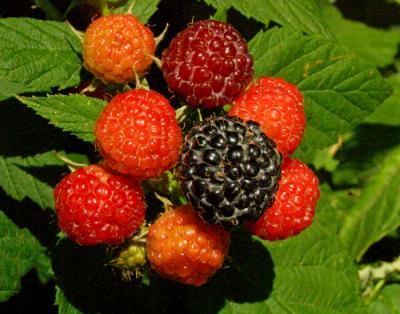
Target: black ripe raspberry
(208,64)
(229,170)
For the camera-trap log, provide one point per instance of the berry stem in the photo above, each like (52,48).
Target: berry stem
(80,35)
(104,8)
(130,9)
(160,37)
(157,61)
(166,202)
(94,84)
(182,112)
(141,83)
(200,115)
(166,184)
(373,278)
(141,234)
(72,165)
(335,147)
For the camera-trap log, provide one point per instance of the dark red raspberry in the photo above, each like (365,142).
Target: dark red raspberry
(278,107)
(138,134)
(94,205)
(208,64)
(294,206)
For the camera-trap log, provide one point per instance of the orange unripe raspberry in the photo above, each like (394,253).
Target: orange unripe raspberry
(117,46)
(184,248)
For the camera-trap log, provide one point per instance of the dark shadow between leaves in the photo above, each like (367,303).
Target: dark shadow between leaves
(382,14)
(23,133)
(154,206)
(50,175)
(247,277)
(34,297)
(370,140)
(386,249)
(248,27)
(92,286)
(27,214)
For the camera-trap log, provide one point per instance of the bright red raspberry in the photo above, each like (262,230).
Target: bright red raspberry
(184,248)
(137,133)
(294,206)
(116,46)
(208,64)
(94,205)
(278,107)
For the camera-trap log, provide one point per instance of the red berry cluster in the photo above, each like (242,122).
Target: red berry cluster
(278,107)
(139,137)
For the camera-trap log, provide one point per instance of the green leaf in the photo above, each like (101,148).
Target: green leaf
(39,160)
(37,55)
(17,182)
(64,307)
(389,112)
(301,15)
(20,252)
(314,272)
(8,88)
(221,7)
(142,9)
(73,113)
(387,302)
(43,268)
(374,45)
(323,159)
(363,152)
(309,273)
(341,202)
(377,212)
(339,89)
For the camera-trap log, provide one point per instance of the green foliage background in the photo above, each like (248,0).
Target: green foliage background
(348,73)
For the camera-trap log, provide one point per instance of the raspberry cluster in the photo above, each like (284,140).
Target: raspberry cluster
(234,170)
